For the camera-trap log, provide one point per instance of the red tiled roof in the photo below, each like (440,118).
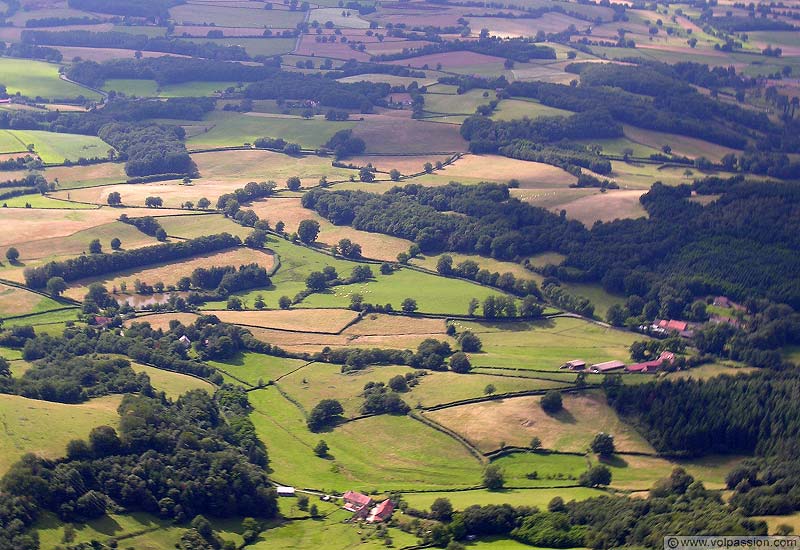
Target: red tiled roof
(358,498)
(384,509)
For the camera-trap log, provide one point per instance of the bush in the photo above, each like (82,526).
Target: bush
(551,402)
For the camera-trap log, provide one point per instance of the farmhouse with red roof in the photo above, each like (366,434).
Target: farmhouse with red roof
(356,502)
(666,357)
(381,512)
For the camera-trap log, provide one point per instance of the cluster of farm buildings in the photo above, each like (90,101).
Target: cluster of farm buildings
(362,506)
(663,360)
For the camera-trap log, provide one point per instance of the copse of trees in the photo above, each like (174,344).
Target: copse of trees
(518,49)
(168,70)
(493,223)
(329,93)
(85,266)
(107,467)
(149,148)
(324,414)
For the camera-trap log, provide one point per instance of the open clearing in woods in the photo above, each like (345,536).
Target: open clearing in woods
(606,207)
(173,384)
(170,273)
(291,212)
(45,428)
(474,168)
(37,78)
(516,420)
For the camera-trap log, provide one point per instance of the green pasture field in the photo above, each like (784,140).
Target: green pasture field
(39,79)
(11,354)
(710,370)
(547,344)
(514,421)
(510,109)
(334,14)
(434,294)
(72,177)
(330,533)
(459,104)
(596,294)
(492,264)
(135,530)
(17,301)
(50,321)
(19,367)
(147,30)
(545,258)
(388,79)
(515,497)
(43,427)
(41,201)
(10,143)
(174,384)
(617,146)
(232,129)
(297,262)
(252,367)
(255,46)
(552,470)
(54,148)
(150,88)
(374,454)
(191,227)
(226,16)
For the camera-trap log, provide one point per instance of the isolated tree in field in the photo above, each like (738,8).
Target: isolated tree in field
(398,383)
(313,511)
(361,273)
(284,302)
(203,203)
(161,235)
(473,307)
(56,286)
(293,183)
(308,230)
(531,307)
(556,504)
(603,444)
(551,402)
(153,202)
(394,174)
(316,281)
(409,305)
(536,444)
(366,175)
(256,239)
(114,198)
(493,477)
(116,244)
(235,303)
(321,450)
(445,264)
(428,167)
(95,247)
(596,476)
(280,226)
(489,389)
(442,509)
(324,414)
(459,362)
(348,248)
(469,342)
(259,303)
(386,268)
(12,255)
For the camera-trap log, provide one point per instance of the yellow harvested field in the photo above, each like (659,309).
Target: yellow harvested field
(375,330)
(16,301)
(291,213)
(404,164)
(305,320)
(173,193)
(220,167)
(170,273)
(516,420)
(606,207)
(502,169)
(106,172)
(161,320)
(45,428)
(17,225)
